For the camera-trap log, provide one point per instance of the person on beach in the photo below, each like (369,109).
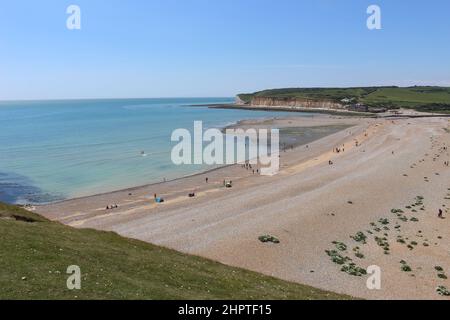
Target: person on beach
(441,214)
(207,179)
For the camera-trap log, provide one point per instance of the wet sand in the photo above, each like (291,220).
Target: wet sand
(309,205)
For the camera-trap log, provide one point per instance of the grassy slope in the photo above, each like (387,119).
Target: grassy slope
(420,98)
(117,268)
(334,94)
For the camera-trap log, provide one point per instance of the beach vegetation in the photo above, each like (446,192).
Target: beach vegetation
(268,238)
(353,270)
(336,257)
(443,291)
(405,267)
(360,237)
(340,246)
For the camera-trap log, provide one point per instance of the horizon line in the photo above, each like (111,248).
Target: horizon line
(220,97)
(119,98)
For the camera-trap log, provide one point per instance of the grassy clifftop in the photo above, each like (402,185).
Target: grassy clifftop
(419,98)
(35,254)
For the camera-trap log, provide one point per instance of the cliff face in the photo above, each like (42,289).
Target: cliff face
(296,103)
(239,101)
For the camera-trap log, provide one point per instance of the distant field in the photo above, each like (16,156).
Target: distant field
(35,254)
(425,98)
(419,98)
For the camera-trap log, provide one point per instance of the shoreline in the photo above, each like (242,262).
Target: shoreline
(325,111)
(309,205)
(236,124)
(128,189)
(223,170)
(233,124)
(404,113)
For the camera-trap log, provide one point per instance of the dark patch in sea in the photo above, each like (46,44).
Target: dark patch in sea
(17,189)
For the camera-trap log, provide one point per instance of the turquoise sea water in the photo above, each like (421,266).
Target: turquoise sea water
(54,150)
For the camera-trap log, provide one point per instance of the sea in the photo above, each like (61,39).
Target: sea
(62,149)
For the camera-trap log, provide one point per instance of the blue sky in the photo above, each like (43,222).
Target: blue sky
(187,48)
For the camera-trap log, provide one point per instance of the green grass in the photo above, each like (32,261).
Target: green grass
(429,99)
(334,94)
(425,98)
(114,267)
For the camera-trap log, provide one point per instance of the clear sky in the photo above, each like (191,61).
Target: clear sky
(193,48)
